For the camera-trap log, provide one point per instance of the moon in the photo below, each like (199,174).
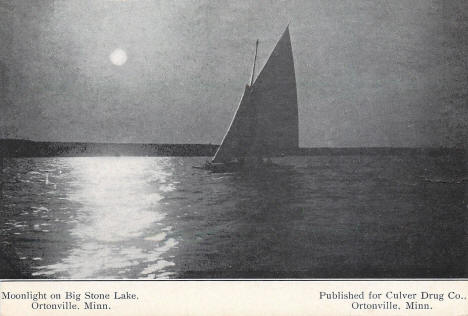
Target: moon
(118,57)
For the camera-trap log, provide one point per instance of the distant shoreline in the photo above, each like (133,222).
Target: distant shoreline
(16,148)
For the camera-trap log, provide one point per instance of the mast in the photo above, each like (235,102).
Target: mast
(255,60)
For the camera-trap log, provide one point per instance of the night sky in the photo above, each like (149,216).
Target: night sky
(369,72)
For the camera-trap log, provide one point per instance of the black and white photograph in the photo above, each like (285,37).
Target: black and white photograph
(266,139)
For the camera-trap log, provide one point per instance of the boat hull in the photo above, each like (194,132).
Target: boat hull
(234,166)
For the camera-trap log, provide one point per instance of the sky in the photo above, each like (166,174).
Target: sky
(369,72)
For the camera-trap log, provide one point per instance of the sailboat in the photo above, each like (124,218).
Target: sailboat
(265,124)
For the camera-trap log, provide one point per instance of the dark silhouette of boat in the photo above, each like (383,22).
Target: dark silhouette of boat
(265,124)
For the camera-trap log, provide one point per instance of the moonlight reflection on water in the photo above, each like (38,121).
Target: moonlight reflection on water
(119,208)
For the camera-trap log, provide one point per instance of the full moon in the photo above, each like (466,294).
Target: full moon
(118,57)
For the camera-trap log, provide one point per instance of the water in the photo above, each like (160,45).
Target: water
(157,217)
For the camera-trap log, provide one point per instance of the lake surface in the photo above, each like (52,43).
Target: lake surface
(310,217)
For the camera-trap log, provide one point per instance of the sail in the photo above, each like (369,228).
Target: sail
(240,134)
(266,120)
(274,94)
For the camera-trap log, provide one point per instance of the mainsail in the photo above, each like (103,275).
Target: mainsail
(266,121)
